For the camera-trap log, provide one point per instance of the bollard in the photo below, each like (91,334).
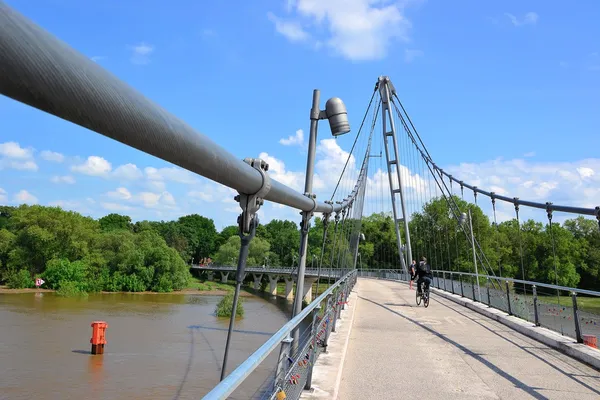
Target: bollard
(98,339)
(536,315)
(590,340)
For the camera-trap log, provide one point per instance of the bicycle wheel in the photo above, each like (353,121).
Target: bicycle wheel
(418,297)
(426,299)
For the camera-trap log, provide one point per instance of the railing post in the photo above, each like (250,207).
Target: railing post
(313,348)
(336,300)
(508,298)
(474,295)
(578,335)
(487,283)
(452,281)
(328,314)
(536,316)
(462,289)
(284,356)
(444,278)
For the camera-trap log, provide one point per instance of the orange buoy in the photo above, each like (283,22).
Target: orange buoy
(98,339)
(590,340)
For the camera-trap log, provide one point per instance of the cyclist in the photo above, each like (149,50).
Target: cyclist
(424,274)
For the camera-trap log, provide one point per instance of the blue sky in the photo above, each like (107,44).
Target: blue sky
(505,94)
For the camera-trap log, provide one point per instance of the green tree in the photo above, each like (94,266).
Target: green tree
(115,221)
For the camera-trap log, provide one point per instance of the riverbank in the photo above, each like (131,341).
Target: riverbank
(206,288)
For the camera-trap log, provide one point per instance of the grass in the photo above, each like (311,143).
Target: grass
(225,306)
(322,286)
(209,286)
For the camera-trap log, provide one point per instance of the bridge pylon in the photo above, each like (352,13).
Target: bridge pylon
(386,91)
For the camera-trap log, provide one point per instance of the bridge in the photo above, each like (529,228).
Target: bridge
(507,318)
(274,274)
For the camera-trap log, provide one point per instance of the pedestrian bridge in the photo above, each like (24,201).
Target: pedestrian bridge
(396,349)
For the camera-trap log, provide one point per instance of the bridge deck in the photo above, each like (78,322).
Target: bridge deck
(399,350)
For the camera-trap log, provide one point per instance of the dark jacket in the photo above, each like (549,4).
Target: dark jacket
(423,269)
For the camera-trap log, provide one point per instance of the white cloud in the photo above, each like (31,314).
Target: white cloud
(94,166)
(201,195)
(121,193)
(14,151)
(3,195)
(141,53)
(173,174)
(19,165)
(52,156)
(529,18)
(13,156)
(150,200)
(295,140)
(290,29)
(128,172)
(97,58)
(25,197)
(572,183)
(277,171)
(145,199)
(529,154)
(355,29)
(63,179)
(411,54)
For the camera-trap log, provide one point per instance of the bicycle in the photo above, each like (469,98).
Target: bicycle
(423,296)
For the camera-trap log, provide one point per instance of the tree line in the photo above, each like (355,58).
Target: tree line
(75,253)
(531,250)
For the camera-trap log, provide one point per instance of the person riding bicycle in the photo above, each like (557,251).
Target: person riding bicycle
(424,274)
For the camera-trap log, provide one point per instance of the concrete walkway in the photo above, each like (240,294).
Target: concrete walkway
(399,350)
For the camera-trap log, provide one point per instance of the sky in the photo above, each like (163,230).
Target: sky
(504,94)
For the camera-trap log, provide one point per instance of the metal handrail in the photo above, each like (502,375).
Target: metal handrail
(235,378)
(532,283)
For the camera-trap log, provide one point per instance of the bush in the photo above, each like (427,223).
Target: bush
(70,289)
(225,306)
(20,279)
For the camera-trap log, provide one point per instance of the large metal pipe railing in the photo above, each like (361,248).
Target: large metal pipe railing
(40,70)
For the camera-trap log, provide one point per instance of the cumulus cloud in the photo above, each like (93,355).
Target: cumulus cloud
(94,166)
(575,183)
(355,29)
(144,199)
(295,140)
(52,156)
(24,197)
(128,172)
(13,156)
(277,171)
(68,179)
(121,194)
(173,174)
(3,197)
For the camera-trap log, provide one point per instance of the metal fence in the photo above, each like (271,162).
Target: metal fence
(572,312)
(293,370)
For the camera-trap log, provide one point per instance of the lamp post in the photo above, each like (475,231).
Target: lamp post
(335,112)
(462,220)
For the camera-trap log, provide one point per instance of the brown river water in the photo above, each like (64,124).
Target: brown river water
(158,346)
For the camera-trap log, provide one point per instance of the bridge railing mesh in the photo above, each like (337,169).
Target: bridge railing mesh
(295,356)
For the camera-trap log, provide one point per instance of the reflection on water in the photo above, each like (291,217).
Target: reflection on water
(158,346)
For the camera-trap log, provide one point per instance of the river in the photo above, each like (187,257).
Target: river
(159,346)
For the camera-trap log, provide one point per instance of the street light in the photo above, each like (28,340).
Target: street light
(462,220)
(335,111)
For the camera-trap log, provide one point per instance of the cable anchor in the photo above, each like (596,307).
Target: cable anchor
(251,203)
